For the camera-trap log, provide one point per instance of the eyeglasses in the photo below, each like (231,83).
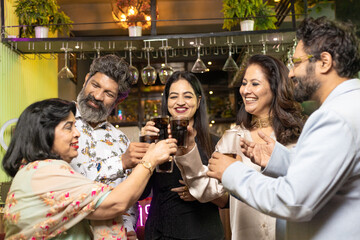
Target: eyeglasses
(295,62)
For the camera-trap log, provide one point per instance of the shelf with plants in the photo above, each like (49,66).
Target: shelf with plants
(260,12)
(41,13)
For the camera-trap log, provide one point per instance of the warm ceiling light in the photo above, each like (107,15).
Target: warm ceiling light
(276,1)
(212,121)
(123,18)
(131,11)
(128,13)
(211,92)
(209,62)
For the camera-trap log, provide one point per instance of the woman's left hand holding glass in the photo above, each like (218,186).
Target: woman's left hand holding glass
(149,129)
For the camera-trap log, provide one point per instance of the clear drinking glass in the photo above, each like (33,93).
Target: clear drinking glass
(199,65)
(229,143)
(134,73)
(165,71)
(148,73)
(230,65)
(65,72)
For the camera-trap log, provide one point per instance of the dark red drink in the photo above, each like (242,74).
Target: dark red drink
(148,138)
(233,155)
(166,167)
(179,130)
(161,123)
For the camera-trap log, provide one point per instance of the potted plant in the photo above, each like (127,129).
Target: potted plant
(132,14)
(255,12)
(35,14)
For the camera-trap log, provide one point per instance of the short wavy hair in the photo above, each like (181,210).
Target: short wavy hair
(34,134)
(337,38)
(115,68)
(286,113)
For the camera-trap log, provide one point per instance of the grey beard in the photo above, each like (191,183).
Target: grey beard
(90,114)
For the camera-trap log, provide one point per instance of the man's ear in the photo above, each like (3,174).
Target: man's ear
(326,62)
(86,79)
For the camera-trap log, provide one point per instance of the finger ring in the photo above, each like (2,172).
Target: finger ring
(186,188)
(183,194)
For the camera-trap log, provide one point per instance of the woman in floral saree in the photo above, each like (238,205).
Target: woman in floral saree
(47,199)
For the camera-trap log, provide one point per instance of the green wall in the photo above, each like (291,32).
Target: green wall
(22,81)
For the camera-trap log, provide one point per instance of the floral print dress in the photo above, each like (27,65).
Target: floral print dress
(49,200)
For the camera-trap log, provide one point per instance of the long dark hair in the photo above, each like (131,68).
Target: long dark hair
(287,120)
(34,133)
(201,120)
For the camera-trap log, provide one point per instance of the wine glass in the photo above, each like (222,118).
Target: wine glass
(230,64)
(134,73)
(65,72)
(199,66)
(148,73)
(165,71)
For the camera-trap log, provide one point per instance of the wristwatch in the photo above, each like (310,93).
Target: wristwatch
(147,165)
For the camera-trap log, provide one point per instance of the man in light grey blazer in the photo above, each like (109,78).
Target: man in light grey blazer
(316,185)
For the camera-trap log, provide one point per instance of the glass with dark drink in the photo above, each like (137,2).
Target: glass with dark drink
(148,138)
(166,167)
(228,143)
(233,155)
(161,123)
(178,127)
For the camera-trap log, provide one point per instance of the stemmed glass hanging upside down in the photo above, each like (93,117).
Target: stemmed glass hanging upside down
(199,66)
(148,73)
(165,71)
(65,72)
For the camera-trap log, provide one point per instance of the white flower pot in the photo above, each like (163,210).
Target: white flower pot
(247,25)
(135,31)
(41,32)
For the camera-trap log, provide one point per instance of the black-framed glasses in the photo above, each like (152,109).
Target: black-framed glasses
(295,62)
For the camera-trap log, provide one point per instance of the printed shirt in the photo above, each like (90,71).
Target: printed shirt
(100,157)
(100,151)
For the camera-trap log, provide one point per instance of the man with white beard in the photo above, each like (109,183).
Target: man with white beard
(104,151)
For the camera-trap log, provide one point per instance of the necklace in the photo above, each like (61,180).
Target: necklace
(261,122)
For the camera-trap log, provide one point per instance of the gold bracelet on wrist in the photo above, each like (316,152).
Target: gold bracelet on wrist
(147,165)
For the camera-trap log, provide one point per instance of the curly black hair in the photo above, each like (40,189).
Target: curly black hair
(116,68)
(335,37)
